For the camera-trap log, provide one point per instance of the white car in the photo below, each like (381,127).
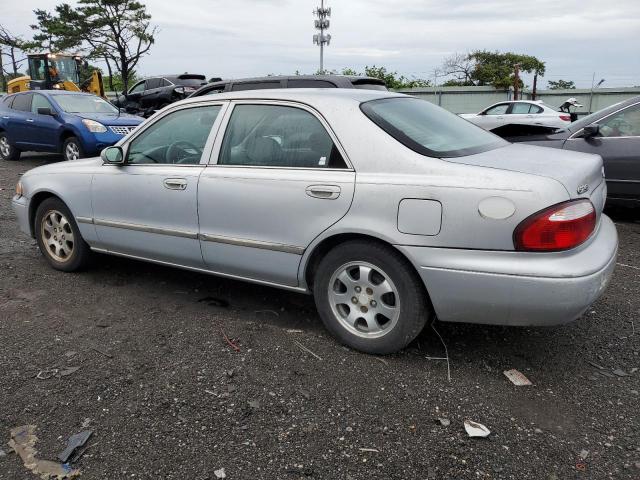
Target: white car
(519,112)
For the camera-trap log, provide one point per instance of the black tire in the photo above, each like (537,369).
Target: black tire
(72,147)
(76,253)
(8,151)
(414,307)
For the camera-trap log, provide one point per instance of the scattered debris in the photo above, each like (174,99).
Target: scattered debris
(633,370)
(2,453)
(86,422)
(584,454)
(475,429)
(68,371)
(294,330)
(620,373)
(306,349)
(214,302)
(594,364)
(272,312)
(254,404)
(445,422)
(604,373)
(220,473)
(306,394)
(75,441)
(628,266)
(517,378)
(374,450)
(382,361)
(446,351)
(47,373)
(108,355)
(210,392)
(23,441)
(231,344)
(537,430)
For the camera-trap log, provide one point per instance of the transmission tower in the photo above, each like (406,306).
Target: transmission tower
(322,24)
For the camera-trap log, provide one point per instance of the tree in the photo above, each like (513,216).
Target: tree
(392,80)
(10,45)
(460,66)
(561,85)
(117,32)
(497,69)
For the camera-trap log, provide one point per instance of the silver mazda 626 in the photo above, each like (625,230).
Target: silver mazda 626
(390,210)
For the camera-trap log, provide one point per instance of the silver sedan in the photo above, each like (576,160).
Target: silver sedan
(388,209)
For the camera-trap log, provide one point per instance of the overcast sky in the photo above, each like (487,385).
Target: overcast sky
(257,37)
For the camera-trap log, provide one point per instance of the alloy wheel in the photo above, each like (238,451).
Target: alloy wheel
(72,152)
(364,299)
(57,236)
(5,148)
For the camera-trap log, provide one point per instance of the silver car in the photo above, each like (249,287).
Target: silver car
(390,210)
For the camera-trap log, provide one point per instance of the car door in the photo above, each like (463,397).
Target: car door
(135,95)
(619,145)
(493,117)
(148,207)
(19,121)
(151,94)
(519,114)
(279,178)
(44,128)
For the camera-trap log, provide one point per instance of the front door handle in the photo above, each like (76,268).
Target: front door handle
(325,192)
(30,120)
(6,118)
(175,183)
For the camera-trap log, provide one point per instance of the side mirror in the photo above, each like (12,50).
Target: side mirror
(45,111)
(591,131)
(112,156)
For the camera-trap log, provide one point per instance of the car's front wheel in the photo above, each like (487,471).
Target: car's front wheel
(72,149)
(59,237)
(370,297)
(7,151)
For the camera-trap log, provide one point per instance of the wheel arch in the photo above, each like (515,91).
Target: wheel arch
(35,202)
(330,242)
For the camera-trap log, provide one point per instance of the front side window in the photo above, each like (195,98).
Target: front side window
(22,102)
(428,129)
(71,103)
(278,136)
(177,138)
(153,83)
(139,88)
(498,109)
(622,124)
(39,101)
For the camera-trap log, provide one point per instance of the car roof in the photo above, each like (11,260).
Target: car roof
(55,92)
(316,97)
(272,78)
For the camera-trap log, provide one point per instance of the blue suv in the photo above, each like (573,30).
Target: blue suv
(72,123)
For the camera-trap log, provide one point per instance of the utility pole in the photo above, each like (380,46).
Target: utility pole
(516,80)
(322,24)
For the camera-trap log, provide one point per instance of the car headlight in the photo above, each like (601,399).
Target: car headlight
(19,189)
(93,126)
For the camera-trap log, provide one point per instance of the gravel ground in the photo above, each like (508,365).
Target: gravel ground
(167,397)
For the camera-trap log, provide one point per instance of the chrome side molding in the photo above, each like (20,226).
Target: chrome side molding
(243,242)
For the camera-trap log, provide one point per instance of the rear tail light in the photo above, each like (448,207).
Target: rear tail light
(560,227)
(566,118)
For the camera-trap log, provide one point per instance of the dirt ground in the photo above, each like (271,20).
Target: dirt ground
(167,397)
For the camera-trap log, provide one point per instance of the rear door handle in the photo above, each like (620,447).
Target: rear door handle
(325,192)
(175,183)
(6,118)
(30,120)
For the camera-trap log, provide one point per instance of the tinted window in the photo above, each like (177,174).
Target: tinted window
(255,85)
(22,102)
(295,83)
(622,124)
(498,109)
(137,88)
(177,138)
(428,129)
(520,108)
(39,101)
(153,83)
(164,82)
(276,136)
(8,101)
(368,85)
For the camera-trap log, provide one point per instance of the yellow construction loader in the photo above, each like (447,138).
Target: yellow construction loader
(57,71)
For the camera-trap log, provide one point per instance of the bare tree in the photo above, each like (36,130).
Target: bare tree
(460,66)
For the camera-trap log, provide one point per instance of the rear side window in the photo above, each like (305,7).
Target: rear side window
(536,109)
(255,86)
(22,102)
(368,85)
(305,83)
(153,83)
(428,129)
(520,108)
(278,136)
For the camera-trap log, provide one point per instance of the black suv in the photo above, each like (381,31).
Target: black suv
(152,94)
(294,81)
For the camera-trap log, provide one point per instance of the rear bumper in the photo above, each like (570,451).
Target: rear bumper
(517,288)
(21,209)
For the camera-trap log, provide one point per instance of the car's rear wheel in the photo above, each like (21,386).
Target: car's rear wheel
(7,151)
(59,237)
(72,149)
(370,297)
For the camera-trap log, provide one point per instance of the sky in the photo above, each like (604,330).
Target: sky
(243,38)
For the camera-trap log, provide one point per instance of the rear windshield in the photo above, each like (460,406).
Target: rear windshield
(190,82)
(428,129)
